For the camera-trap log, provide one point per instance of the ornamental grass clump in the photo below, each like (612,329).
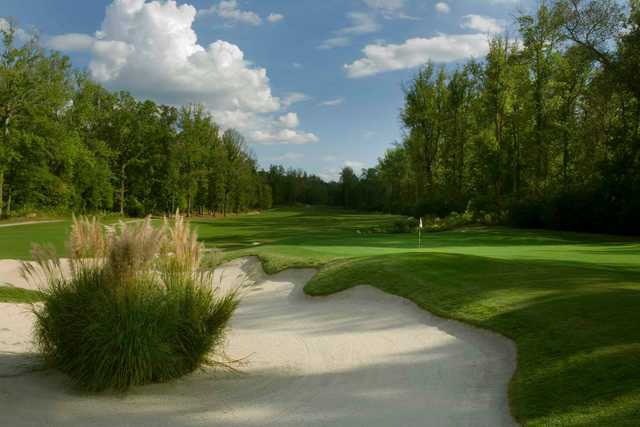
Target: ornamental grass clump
(132,306)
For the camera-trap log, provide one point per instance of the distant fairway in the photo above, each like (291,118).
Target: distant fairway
(16,239)
(570,301)
(312,237)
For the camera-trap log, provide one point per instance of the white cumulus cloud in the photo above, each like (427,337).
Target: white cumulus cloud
(289,120)
(284,136)
(442,7)
(71,42)
(379,58)
(151,50)
(484,24)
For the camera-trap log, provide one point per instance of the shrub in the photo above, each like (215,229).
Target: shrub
(452,221)
(531,213)
(135,308)
(438,204)
(404,225)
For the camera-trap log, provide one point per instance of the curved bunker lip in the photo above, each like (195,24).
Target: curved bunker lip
(357,358)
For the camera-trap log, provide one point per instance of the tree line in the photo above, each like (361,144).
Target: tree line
(544,132)
(295,186)
(69,144)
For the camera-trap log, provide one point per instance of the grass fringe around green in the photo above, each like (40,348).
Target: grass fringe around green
(10,294)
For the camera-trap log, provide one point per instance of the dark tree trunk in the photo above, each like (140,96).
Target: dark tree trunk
(122,189)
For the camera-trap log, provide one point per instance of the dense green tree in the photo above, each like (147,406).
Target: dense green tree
(197,142)
(294,186)
(422,117)
(67,143)
(37,152)
(543,132)
(349,184)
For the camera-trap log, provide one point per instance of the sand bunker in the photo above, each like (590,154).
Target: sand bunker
(10,274)
(358,358)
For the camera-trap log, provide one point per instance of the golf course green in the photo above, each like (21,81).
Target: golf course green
(569,301)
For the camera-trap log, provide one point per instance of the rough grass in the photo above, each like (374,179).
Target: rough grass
(135,310)
(10,294)
(149,334)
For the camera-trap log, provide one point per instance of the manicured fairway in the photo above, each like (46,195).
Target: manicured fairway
(16,240)
(313,237)
(569,301)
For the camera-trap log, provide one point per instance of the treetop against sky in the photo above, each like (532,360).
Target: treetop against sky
(311,84)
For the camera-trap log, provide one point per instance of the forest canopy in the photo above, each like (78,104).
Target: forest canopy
(542,132)
(545,132)
(69,144)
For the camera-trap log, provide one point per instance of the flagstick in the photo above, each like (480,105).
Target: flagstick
(420,234)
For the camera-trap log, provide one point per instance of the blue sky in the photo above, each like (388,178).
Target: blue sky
(314,84)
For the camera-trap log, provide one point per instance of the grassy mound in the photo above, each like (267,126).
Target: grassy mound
(575,327)
(135,309)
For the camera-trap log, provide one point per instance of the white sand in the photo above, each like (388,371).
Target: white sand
(10,274)
(359,358)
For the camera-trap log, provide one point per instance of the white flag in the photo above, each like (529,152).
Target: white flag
(420,222)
